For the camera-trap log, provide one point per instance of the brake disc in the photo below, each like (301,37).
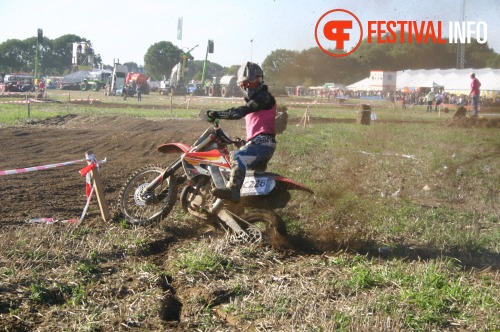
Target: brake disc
(139,198)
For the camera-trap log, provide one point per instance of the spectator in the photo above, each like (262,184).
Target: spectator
(139,92)
(430,100)
(439,100)
(474,93)
(41,86)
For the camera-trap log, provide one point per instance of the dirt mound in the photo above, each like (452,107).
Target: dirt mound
(474,122)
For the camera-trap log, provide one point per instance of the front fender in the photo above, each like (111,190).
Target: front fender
(292,185)
(173,148)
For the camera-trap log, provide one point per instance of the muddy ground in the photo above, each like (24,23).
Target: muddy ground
(59,193)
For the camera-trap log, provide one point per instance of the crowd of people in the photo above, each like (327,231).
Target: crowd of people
(435,97)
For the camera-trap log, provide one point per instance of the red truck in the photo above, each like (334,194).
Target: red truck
(135,79)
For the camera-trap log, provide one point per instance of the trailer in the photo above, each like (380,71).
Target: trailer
(226,86)
(96,80)
(137,79)
(117,78)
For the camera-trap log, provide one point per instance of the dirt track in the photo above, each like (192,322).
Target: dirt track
(127,143)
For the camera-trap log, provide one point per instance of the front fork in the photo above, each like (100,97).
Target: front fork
(147,194)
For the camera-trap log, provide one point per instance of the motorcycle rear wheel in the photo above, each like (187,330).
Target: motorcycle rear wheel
(140,211)
(270,225)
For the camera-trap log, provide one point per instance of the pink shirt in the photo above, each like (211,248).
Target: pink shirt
(474,87)
(261,122)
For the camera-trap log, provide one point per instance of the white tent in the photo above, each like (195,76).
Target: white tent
(361,85)
(451,80)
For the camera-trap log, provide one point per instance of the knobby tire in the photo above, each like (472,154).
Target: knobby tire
(140,212)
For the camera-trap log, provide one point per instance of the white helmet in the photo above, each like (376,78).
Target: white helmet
(250,79)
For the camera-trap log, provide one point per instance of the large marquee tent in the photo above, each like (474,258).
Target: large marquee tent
(455,81)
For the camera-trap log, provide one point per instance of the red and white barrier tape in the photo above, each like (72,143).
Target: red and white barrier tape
(89,197)
(50,221)
(26,101)
(12,93)
(44,167)
(16,102)
(89,189)
(83,99)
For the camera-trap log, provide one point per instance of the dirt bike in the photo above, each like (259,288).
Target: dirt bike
(152,191)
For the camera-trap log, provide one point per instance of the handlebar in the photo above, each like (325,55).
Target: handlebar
(219,133)
(238,142)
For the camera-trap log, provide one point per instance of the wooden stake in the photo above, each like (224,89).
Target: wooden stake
(364,115)
(98,189)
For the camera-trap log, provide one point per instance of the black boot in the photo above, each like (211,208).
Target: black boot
(230,194)
(232,191)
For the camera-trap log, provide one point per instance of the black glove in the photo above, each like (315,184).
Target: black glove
(238,142)
(212,116)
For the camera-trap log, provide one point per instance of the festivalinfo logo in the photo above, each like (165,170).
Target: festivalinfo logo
(337,28)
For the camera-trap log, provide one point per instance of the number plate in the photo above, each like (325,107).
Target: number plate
(257,185)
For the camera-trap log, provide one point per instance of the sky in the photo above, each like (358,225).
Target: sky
(241,30)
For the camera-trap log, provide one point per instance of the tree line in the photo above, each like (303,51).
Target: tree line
(282,67)
(312,67)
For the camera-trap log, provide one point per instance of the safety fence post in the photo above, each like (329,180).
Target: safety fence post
(94,173)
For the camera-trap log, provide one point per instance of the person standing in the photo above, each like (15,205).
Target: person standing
(474,93)
(439,101)
(139,92)
(430,100)
(125,92)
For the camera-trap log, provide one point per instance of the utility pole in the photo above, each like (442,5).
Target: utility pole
(39,40)
(461,46)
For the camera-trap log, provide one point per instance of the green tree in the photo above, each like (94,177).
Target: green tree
(18,55)
(233,70)
(281,69)
(58,53)
(132,67)
(55,56)
(477,55)
(195,70)
(493,61)
(160,58)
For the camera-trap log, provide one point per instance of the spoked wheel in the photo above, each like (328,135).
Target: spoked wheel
(141,208)
(265,226)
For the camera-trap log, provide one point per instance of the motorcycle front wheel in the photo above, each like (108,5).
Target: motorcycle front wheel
(268,224)
(143,209)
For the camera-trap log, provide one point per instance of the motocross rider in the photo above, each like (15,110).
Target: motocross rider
(259,113)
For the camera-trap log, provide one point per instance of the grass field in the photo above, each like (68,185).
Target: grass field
(402,234)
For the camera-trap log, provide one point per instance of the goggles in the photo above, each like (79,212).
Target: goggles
(249,84)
